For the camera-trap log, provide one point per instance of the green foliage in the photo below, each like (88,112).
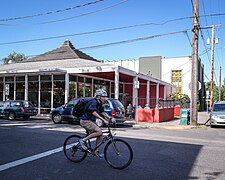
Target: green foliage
(14,58)
(179,96)
(216,92)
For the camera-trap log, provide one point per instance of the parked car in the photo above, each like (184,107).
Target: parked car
(217,114)
(13,109)
(65,113)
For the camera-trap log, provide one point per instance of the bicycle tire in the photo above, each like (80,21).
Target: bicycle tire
(121,160)
(72,149)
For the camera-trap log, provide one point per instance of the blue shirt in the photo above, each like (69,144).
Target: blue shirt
(91,106)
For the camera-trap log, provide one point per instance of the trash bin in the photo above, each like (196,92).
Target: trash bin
(185,116)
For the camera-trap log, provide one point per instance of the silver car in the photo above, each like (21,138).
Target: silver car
(217,115)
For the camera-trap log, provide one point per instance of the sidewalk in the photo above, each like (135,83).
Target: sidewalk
(172,124)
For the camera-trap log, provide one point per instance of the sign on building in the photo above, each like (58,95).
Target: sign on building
(6,89)
(136,84)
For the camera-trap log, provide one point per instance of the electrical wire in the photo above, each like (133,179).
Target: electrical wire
(130,41)
(51,12)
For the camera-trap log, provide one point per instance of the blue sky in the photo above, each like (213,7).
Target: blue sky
(116,13)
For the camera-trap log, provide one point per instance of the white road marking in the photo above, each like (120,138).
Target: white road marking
(29,159)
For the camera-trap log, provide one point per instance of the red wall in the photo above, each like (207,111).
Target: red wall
(155,115)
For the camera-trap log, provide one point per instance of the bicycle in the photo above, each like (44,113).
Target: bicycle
(117,152)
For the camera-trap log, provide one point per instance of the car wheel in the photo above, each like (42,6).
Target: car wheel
(12,116)
(56,118)
(99,122)
(26,117)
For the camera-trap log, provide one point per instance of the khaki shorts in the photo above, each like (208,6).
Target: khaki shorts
(89,126)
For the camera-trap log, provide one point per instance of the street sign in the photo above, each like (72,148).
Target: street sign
(6,89)
(136,84)
(199,85)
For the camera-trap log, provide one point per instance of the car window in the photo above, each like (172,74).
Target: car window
(116,103)
(6,104)
(28,104)
(1,103)
(15,103)
(73,102)
(106,104)
(219,107)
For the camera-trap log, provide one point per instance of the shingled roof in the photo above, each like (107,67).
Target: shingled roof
(66,51)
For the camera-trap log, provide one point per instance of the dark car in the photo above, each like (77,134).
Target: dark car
(13,109)
(65,113)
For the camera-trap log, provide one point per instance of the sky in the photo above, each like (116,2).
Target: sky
(157,28)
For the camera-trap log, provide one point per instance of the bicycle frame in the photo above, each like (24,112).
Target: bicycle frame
(106,138)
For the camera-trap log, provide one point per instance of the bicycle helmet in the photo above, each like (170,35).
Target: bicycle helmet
(101,92)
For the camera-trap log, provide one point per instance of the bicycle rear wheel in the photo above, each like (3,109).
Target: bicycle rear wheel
(118,154)
(72,149)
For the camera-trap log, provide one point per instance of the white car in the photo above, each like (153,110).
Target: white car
(217,115)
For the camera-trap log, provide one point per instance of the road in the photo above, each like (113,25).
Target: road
(33,150)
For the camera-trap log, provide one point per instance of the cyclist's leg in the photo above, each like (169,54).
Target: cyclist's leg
(93,129)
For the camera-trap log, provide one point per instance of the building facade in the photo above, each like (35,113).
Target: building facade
(176,71)
(51,79)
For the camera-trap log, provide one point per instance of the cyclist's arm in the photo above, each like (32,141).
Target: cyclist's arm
(108,117)
(94,113)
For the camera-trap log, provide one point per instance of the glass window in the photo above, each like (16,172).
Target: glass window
(72,78)
(177,80)
(9,79)
(20,78)
(46,78)
(20,86)
(72,90)
(33,86)
(46,86)
(81,79)
(33,98)
(59,77)
(32,78)
(59,93)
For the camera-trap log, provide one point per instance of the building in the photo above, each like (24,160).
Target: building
(176,71)
(51,79)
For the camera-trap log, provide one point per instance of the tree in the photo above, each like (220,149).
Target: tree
(14,58)
(216,92)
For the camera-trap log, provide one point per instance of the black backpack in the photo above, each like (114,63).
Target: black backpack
(79,108)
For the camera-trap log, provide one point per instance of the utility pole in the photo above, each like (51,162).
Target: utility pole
(212,68)
(194,70)
(220,84)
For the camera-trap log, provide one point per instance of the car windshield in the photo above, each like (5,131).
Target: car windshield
(219,107)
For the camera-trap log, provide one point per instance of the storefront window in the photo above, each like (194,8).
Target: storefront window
(33,88)
(1,88)
(59,90)
(9,81)
(46,88)
(72,90)
(20,87)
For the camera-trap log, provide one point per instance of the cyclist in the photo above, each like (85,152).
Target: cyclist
(94,109)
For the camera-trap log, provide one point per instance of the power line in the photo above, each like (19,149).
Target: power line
(51,12)
(79,34)
(69,18)
(131,40)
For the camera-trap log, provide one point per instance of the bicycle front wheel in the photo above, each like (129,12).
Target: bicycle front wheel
(72,149)
(118,154)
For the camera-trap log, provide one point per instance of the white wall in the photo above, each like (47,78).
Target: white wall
(180,63)
(129,64)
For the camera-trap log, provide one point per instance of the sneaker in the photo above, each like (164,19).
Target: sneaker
(82,144)
(98,154)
